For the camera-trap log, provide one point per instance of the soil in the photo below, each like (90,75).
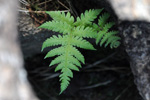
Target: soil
(111,79)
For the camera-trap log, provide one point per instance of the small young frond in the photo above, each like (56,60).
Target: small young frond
(104,36)
(61,16)
(88,17)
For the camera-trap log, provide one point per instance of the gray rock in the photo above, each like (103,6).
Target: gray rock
(136,40)
(31,37)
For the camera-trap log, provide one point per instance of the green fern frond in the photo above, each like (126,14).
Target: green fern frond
(68,57)
(88,17)
(106,36)
(67,61)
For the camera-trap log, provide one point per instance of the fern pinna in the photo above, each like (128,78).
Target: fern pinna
(104,35)
(73,34)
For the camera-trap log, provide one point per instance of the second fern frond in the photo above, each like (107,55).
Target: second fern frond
(104,35)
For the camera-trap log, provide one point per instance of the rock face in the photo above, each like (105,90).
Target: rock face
(13,79)
(31,37)
(136,39)
(131,9)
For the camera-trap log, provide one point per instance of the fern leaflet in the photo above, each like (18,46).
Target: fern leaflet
(88,17)
(61,16)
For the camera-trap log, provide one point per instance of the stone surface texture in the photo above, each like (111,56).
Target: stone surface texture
(13,78)
(132,9)
(136,40)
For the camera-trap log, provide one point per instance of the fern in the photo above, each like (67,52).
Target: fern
(68,57)
(73,34)
(104,35)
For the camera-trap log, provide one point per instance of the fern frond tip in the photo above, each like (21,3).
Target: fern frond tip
(42,49)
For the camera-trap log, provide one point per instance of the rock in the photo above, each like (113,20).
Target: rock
(136,39)
(31,38)
(13,78)
(131,9)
